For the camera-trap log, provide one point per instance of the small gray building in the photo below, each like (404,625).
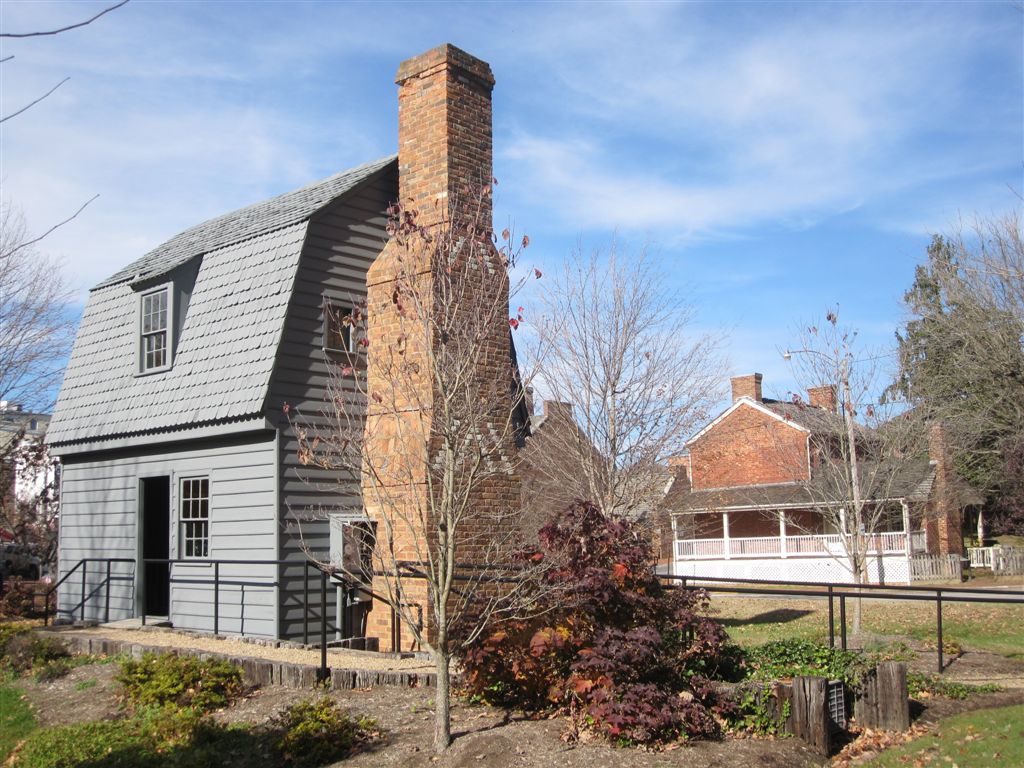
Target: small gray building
(170,423)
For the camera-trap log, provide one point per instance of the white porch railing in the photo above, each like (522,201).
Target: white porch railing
(776,546)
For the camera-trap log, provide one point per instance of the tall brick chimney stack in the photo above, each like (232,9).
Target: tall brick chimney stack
(444,130)
(823,397)
(747,386)
(445,174)
(945,526)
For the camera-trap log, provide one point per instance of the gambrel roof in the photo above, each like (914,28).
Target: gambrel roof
(227,346)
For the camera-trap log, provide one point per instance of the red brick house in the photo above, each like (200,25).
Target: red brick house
(751,498)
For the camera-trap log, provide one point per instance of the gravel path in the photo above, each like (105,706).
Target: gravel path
(168,638)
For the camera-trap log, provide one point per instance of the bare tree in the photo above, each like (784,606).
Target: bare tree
(863,460)
(424,417)
(635,376)
(36,329)
(29,502)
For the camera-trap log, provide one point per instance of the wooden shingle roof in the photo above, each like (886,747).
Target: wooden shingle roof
(228,344)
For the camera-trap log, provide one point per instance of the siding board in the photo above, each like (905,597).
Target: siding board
(99,516)
(341,243)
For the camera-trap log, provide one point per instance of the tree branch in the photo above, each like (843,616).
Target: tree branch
(67,28)
(33,103)
(55,227)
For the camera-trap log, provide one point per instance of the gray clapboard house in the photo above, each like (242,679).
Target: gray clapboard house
(169,423)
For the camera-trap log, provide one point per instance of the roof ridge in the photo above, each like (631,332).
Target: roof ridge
(249,221)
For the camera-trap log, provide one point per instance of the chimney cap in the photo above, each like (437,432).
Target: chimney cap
(449,55)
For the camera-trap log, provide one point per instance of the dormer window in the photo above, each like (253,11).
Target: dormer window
(338,331)
(155,330)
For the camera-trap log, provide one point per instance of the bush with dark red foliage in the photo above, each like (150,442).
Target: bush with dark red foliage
(621,653)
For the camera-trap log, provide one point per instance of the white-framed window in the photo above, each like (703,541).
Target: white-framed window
(194,517)
(338,335)
(155,312)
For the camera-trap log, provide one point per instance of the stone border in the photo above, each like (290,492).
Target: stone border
(260,672)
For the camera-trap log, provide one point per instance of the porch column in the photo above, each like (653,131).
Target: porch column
(725,534)
(906,528)
(782,534)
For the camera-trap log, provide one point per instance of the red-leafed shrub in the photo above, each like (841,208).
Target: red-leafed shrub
(624,655)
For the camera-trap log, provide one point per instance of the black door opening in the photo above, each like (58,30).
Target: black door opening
(156,543)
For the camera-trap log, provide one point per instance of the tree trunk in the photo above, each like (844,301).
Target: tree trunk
(442,705)
(858,577)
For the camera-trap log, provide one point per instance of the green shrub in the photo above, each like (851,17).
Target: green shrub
(109,743)
(185,681)
(931,685)
(794,657)
(315,733)
(756,710)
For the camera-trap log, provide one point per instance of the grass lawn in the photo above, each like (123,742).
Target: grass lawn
(16,719)
(984,627)
(990,737)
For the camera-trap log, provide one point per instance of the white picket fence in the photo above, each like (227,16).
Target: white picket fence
(934,567)
(1004,561)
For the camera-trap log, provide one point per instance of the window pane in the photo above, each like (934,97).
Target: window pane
(154,330)
(337,327)
(195,517)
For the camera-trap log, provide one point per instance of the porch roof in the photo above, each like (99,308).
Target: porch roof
(911,481)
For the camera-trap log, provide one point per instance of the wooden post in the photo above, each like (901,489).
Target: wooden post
(782,534)
(884,701)
(725,535)
(810,712)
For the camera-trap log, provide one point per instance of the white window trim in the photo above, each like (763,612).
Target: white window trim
(181,521)
(140,353)
(328,304)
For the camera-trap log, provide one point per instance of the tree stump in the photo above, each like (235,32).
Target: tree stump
(883,701)
(809,714)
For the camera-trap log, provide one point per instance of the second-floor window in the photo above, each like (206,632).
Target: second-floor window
(155,351)
(338,330)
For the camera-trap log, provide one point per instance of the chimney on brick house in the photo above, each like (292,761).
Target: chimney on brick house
(554,409)
(444,157)
(747,386)
(680,463)
(823,397)
(945,526)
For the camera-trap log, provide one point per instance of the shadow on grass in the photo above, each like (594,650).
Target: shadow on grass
(777,616)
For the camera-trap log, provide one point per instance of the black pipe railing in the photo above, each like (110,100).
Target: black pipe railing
(85,595)
(82,568)
(831,591)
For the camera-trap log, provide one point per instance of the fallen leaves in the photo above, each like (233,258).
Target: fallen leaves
(870,742)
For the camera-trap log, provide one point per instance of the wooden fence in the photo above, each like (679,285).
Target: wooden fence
(934,567)
(1007,561)
(1004,561)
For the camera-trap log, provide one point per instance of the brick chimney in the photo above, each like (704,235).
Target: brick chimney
(945,525)
(554,409)
(444,129)
(444,161)
(823,397)
(747,386)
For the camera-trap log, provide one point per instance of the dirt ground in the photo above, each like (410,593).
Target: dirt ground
(485,737)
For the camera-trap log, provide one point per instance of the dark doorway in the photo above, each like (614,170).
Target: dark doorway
(155,517)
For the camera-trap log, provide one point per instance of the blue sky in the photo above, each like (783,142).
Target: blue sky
(779,159)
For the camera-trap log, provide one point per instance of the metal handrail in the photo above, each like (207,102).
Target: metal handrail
(83,564)
(938,595)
